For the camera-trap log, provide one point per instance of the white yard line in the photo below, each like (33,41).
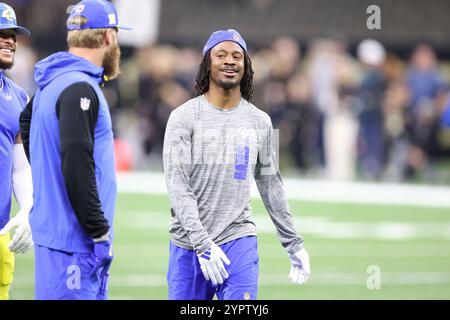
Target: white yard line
(345,278)
(320,226)
(327,250)
(327,229)
(316,190)
(277,279)
(318,278)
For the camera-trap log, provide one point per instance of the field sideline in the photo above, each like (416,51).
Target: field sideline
(348,227)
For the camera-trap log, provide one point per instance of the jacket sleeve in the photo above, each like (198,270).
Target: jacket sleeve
(177,170)
(271,188)
(25,122)
(77,110)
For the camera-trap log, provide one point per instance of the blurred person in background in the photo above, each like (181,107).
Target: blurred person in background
(215,144)
(332,75)
(396,140)
(162,89)
(427,89)
(444,129)
(15,172)
(371,95)
(305,120)
(71,151)
(287,58)
(283,61)
(423,78)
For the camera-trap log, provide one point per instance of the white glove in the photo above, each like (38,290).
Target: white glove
(21,241)
(211,262)
(299,266)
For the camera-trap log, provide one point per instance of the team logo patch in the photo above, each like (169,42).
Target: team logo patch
(78,21)
(246,295)
(112,18)
(9,15)
(85,103)
(236,36)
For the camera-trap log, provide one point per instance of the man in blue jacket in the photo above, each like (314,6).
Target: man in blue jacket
(68,132)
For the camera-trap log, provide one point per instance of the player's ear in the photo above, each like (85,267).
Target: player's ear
(109,36)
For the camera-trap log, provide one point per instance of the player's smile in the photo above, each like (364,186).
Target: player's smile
(230,72)
(7,52)
(7,46)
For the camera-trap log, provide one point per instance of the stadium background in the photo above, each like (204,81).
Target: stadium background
(365,150)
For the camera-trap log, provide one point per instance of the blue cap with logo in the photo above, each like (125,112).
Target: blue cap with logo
(224,35)
(8,19)
(94,14)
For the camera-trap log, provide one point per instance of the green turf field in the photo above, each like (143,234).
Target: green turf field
(409,245)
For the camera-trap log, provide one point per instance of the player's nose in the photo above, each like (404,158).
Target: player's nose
(229,60)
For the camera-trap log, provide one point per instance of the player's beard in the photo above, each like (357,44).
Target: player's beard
(224,82)
(4,65)
(111,62)
(228,85)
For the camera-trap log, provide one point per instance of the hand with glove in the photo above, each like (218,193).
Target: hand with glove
(21,241)
(212,264)
(299,266)
(101,256)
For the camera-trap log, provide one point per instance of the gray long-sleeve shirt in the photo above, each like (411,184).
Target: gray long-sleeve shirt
(210,158)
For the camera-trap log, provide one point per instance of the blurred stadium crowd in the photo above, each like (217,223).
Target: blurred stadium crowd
(344,110)
(368,115)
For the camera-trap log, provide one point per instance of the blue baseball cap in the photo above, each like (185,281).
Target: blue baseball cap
(8,20)
(224,35)
(94,14)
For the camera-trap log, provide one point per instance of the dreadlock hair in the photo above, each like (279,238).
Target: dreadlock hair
(202,79)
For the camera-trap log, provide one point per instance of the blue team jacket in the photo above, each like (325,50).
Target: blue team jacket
(52,219)
(12,101)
